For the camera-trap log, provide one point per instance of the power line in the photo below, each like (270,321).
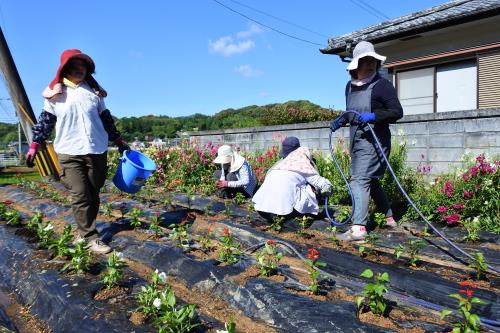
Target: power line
(374,9)
(267,26)
(279,19)
(367,9)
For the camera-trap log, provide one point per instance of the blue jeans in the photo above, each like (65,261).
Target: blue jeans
(362,189)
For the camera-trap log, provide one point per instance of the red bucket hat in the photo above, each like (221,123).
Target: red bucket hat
(55,87)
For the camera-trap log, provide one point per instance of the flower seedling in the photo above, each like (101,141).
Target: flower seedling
(60,244)
(173,318)
(368,248)
(268,258)
(333,237)
(206,241)
(230,250)
(154,223)
(149,297)
(114,271)
(179,233)
(470,322)
(411,248)
(373,293)
(107,209)
(479,265)
(277,223)
(239,199)
(135,216)
(473,227)
(12,217)
(229,327)
(227,210)
(313,266)
(80,258)
(36,219)
(45,232)
(304,223)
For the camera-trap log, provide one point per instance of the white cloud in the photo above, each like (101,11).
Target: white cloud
(253,29)
(248,71)
(227,47)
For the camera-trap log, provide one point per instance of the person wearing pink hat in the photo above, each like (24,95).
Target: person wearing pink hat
(74,106)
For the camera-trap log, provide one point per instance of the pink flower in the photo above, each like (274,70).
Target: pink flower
(452,219)
(473,170)
(481,158)
(458,206)
(442,209)
(465,177)
(467,194)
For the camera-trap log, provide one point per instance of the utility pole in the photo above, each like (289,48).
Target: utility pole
(46,160)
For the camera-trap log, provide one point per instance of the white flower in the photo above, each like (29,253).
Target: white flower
(488,182)
(401,132)
(413,142)
(80,240)
(157,303)
(221,331)
(78,260)
(486,202)
(475,220)
(48,227)
(119,255)
(163,277)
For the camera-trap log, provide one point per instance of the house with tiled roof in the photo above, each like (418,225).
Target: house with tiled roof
(445,58)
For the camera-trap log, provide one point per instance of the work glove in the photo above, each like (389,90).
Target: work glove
(326,189)
(221,184)
(122,145)
(338,123)
(366,117)
(30,155)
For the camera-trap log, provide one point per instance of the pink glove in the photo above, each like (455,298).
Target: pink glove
(221,183)
(30,155)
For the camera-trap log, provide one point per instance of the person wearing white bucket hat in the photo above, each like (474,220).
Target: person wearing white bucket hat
(74,105)
(376,102)
(235,174)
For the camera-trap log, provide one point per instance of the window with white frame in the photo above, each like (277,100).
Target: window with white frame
(441,88)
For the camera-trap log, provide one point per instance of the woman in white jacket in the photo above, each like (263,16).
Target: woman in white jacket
(290,187)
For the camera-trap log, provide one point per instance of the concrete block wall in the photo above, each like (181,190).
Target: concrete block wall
(438,139)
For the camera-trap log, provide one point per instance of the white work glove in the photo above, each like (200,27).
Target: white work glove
(326,187)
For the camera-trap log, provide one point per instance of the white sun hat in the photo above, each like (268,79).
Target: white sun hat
(225,154)
(363,49)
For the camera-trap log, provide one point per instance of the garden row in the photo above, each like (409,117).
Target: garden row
(263,299)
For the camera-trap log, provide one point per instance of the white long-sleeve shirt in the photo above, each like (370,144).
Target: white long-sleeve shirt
(283,191)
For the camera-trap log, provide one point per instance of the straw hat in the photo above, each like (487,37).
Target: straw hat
(363,49)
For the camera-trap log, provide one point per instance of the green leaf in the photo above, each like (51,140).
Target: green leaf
(359,301)
(384,277)
(445,312)
(367,273)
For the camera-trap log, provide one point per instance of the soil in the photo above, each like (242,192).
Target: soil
(254,271)
(113,292)
(138,318)
(24,321)
(370,318)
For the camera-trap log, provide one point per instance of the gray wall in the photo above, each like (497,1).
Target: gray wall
(439,139)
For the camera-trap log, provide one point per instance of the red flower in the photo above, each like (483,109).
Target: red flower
(313,254)
(227,233)
(8,202)
(468,292)
(157,214)
(183,222)
(452,219)
(270,242)
(473,170)
(467,284)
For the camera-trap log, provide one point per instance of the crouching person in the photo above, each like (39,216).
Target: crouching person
(234,175)
(291,185)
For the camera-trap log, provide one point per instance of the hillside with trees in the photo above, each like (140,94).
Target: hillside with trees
(168,127)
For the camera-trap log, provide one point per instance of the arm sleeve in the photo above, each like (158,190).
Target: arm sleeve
(244,177)
(319,183)
(385,102)
(109,124)
(44,126)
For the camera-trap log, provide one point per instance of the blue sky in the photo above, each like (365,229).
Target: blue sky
(178,58)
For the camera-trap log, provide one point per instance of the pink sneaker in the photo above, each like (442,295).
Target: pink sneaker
(390,222)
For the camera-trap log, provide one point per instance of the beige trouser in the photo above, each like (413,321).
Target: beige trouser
(83,176)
